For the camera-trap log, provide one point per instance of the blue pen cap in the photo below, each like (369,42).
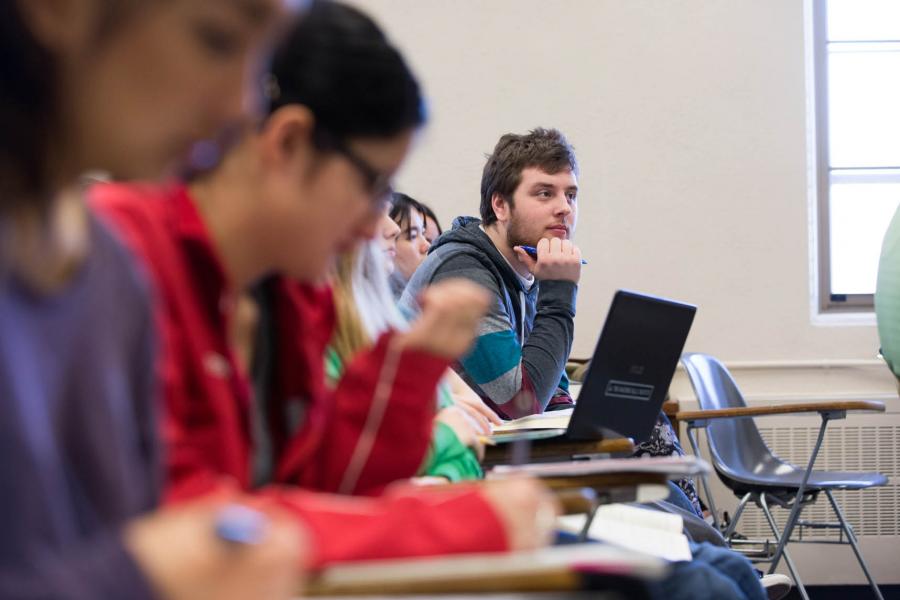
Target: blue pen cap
(241,525)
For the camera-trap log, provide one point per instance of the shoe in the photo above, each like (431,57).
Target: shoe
(776,585)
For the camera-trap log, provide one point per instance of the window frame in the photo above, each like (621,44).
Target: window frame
(825,303)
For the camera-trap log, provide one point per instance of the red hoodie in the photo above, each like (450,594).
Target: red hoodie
(348,441)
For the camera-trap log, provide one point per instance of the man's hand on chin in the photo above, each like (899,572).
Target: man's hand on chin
(558,260)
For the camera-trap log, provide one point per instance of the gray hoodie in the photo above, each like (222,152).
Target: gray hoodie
(518,359)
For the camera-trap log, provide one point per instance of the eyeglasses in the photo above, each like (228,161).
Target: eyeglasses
(377,183)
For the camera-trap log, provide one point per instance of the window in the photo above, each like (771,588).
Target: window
(856,47)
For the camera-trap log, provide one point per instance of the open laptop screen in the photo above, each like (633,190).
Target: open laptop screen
(632,367)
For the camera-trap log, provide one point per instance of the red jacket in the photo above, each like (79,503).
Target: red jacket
(347,441)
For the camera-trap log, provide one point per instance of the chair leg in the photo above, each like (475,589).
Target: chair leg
(782,542)
(588,521)
(704,480)
(851,537)
(729,531)
(798,499)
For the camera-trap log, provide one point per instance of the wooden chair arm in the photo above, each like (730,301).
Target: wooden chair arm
(576,501)
(781,409)
(671,407)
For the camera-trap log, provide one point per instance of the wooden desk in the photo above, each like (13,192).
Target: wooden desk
(552,569)
(583,485)
(544,450)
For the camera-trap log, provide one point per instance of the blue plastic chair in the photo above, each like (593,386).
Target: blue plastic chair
(746,465)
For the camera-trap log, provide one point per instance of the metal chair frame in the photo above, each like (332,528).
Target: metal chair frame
(778,492)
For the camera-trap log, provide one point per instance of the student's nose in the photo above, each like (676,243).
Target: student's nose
(424,244)
(563,206)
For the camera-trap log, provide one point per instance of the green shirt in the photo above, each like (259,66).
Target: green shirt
(447,456)
(887,295)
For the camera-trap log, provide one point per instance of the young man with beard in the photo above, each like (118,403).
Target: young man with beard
(529,197)
(529,193)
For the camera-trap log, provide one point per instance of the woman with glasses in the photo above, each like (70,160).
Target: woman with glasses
(290,195)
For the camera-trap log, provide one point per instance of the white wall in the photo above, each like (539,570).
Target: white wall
(688,117)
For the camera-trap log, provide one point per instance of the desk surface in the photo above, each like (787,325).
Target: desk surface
(552,569)
(557,449)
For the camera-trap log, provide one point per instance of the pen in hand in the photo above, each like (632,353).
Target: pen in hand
(239,524)
(532,252)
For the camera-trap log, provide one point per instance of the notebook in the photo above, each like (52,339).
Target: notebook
(626,384)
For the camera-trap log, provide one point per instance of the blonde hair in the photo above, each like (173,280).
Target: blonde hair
(364,305)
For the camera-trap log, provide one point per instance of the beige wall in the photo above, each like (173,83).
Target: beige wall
(689,118)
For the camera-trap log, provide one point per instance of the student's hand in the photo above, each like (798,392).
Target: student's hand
(557,259)
(466,398)
(450,313)
(465,428)
(526,508)
(480,412)
(179,553)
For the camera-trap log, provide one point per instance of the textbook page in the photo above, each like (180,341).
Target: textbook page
(555,419)
(651,532)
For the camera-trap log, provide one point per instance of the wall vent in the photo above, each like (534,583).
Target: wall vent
(871,512)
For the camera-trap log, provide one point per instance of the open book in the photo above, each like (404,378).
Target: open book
(548,569)
(648,531)
(555,419)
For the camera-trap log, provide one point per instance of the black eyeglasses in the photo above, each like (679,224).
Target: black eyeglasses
(377,183)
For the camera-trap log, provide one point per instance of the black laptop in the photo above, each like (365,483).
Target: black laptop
(630,372)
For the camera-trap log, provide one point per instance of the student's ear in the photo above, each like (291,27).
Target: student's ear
(286,135)
(500,206)
(61,26)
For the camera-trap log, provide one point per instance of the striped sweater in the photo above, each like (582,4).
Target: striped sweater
(518,359)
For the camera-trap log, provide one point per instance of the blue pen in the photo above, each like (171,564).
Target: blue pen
(241,525)
(532,252)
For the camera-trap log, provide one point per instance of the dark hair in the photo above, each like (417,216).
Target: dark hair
(402,207)
(547,149)
(429,214)
(339,64)
(28,110)
(30,103)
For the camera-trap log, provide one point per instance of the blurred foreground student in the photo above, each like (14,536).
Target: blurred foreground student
(365,309)
(123,87)
(307,184)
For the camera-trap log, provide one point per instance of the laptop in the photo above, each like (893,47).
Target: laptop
(630,372)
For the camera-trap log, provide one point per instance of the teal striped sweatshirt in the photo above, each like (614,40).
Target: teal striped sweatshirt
(517,363)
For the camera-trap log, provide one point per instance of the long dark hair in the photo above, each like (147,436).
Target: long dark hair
(339,64)
(28,110)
